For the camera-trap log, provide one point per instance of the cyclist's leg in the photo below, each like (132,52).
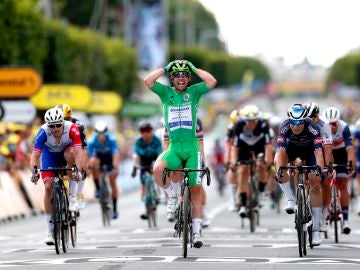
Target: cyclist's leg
(259,148)
(342,184)
(244,173)
(73,186)
(94,164)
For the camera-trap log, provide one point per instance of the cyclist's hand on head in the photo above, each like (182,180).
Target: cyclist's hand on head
(168,66)
(191,66)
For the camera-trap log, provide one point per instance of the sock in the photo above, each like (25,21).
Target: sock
(49,222)
(286,188)
(345,212)
(196,225)
(73,187)
(316,211)
(97,185)
(204,211)
(80,187)
(325,212)
(176,187)
(233,190)
(114,204)
(243,198)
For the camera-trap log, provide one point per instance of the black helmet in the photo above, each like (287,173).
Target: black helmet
(313,109)
(145,126)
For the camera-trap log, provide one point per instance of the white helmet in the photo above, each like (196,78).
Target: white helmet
(54,115)
(357,125)
(250,112)
(101,127)
(331,114)
(313,109)
(297,112)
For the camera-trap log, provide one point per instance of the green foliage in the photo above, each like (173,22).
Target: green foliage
(346,70)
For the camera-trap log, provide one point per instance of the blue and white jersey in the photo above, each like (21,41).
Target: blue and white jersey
(342,138)
(109,147)
(325,131)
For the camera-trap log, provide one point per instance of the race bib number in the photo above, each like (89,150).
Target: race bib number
(180,117)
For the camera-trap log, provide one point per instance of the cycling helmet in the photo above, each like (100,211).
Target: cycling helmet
(145,126)
(54,115)
(297,112)
(250,112)
(331,114)
(357,125)
(234,116)
(313,109)
(101,127)
(180,66)
(66,110)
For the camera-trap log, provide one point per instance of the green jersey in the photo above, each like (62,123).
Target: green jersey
(180,109)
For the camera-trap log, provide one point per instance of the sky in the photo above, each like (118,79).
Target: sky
(321,30)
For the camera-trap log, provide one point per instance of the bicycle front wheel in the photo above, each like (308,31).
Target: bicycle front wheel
(65,216)
(73,228)
(105,203)
(335,212)
(56,219)
(186,216)
(299,220)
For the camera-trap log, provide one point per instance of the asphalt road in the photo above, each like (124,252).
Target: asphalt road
(129,244)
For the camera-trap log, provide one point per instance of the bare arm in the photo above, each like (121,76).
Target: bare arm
(35,159)
(151,78)
(208,79)
(319,156)
(78,158)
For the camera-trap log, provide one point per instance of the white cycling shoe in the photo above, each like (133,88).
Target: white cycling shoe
(73,204)
(49,239)
(316,239)
(171,208)
(290,207)
(197,241)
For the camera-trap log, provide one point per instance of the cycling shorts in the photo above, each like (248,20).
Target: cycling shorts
(245,149)
(51,160)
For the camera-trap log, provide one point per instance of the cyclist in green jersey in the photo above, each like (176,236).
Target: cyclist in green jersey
(180,113)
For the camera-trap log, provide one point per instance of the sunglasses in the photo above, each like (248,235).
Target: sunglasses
(296,122)
(55,126)
(147,130)
(181,74)
(250,121)
(334,124)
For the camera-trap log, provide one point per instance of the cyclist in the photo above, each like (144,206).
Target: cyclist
(180,104)
(325,132)
(67,110)
(343,151)
(147,148)
(356,136)
(251,135)
(103,150)
(300,137)
(57,144)
(234,117)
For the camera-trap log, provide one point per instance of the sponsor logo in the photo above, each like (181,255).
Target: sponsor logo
(186,97)
(280,139)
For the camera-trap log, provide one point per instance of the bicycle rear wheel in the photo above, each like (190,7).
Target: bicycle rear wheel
(299,220)
(105,203)
(73,228)
(335,212)
(56,212)
(65,215)
(186,215)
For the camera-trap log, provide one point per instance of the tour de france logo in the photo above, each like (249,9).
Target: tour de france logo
(186,97)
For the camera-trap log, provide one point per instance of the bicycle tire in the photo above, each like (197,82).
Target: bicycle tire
(153,205)
(73,228)
(56,220)
(105,203)
(299,219)
(335,213)
(64,202)
(186,215)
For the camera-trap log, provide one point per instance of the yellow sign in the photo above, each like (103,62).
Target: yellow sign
(19,82)
(105,102)
(77,96)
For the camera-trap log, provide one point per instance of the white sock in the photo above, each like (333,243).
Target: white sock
(316,211)
(233,191)
(73,187)
(286,188)
(80,187)
(177,188)
(49,222)
(325,212)
(170,191)
(196,225)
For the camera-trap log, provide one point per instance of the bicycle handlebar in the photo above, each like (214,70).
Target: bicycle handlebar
(187,171)
(299,168)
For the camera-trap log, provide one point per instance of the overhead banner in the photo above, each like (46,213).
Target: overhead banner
(19,82)
(49,95)
(105,102)
(19,111)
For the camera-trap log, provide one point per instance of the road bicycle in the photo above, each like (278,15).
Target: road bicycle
(303,214)
(183,214)
(105,196)
(335,211)
(65,221)
(150,196)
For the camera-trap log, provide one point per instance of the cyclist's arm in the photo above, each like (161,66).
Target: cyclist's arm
(74,135)
(152,77)
(208,79)
(348,144)
(35,159)
(39,143)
